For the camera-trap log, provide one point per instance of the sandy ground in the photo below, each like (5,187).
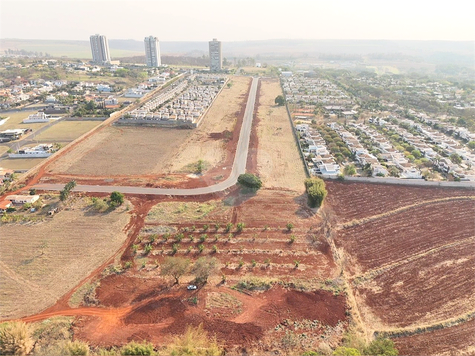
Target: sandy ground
(208,140)
(20,163)
(42,261)
(278,161)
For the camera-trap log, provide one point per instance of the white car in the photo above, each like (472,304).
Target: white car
(191,287)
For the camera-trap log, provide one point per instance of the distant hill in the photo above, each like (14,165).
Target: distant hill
(439,52)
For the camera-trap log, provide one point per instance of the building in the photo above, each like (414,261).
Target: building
(152,52)
(215,56)
(100,49)
(23,199)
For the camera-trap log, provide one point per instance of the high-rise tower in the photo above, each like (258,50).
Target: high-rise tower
(152,52)
(215,56)
(100,49)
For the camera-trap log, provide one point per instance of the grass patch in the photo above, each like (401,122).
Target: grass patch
(171,212)
(255,284)
(84,294)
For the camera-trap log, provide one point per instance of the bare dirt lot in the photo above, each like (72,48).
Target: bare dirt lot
(122,151)
(408,254)
(42,260)
(278,160)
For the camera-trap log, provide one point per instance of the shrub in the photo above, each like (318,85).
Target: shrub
(240,226)
(116,198)
(349,170)
(381,346)
(77,348)
(292,239)
(229,226)
(346,351)
(316,191)
(195,341)
(15,339)
(289,226)
(134,348)
(249,180)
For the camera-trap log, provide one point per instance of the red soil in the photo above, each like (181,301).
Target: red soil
(352,200)
(448,341)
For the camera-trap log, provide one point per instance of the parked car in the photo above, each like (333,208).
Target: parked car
(192,287)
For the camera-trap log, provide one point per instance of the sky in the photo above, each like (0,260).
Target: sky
(237,20)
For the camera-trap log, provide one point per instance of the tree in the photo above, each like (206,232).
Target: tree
(203,268)
(117,198)
(280,100)
(249,180)
(15,339)
(455,158)
(64,194)
(380,347)
(349,170)
(175,267)
(316,191)
(471,145)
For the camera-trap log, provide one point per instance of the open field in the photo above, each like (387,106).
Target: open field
(45,258)
(408,255)
(65,131)
(278,161)
(208,141)
(457,340)
(122,151)
(3,149)
(384,198)
(20,163)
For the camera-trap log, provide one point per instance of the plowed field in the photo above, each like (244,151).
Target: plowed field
(408,252)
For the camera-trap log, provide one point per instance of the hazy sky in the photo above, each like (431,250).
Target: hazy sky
(235,20)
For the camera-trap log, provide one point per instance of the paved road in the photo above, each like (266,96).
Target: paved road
(239,165)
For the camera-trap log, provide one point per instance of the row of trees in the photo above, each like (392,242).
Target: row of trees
(316,191)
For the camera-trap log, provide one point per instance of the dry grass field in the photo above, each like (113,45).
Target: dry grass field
(42,260)
(209,139)
(278,161)
(20,163)
(122,151)
(65,131)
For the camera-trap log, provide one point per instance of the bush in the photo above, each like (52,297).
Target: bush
(249,180)
(316,191)
(117,198)
(15,339)
(381,347)
(346,351)
(195,341)
(134,348)
(77,348)
(349,170)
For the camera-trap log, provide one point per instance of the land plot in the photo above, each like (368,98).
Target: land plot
(432,288)
(278,161)
(20,164)
(122,151)
(404,234)
(456,340)
(66,131)
(359,200)
(42,261)
(16,121)
(208,141)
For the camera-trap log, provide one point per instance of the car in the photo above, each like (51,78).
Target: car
(192,287)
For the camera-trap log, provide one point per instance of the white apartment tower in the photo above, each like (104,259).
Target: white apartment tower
(215,56)
(152,52)
(100,49)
